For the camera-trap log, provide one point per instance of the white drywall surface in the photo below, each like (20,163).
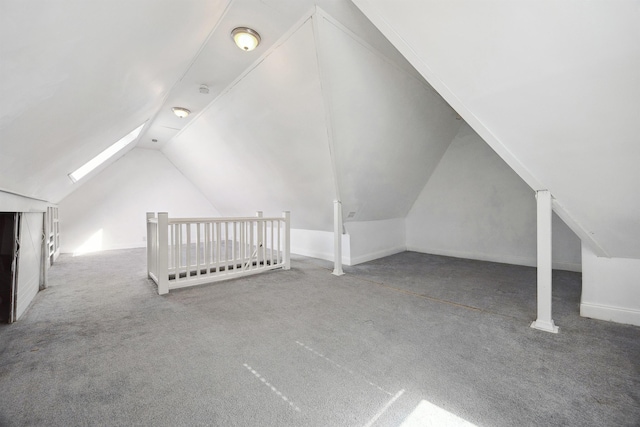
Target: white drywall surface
(77,76)
(29,260)
(318,244)
(474,206)
(610,288)
(364,241)
(263,145)
(108,212)
(375,239)
(553,87)
(389,128)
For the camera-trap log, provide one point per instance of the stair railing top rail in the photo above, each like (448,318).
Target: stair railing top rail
(223,219)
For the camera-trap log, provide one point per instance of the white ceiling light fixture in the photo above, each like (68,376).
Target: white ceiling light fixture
(181,112)
(245,38)
(105,155)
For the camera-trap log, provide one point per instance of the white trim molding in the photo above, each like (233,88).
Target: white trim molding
(375,255)
(610,313)
(499,258)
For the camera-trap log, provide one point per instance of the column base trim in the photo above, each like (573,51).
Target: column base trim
(545,326)
(610,313)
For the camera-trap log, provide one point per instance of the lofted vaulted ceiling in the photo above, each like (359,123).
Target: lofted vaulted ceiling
(553,87)
(76,76)
(263,144)
(327,107)
(322,114)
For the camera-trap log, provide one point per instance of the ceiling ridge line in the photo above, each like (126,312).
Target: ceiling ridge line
(154,116)
(341,27)
(435,168)
(193,184)
(294,28)
(206,40)
(325,93)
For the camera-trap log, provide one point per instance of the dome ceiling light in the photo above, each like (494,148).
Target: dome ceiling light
(181,112)
(245,38)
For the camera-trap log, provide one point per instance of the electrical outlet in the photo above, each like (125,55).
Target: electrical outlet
(144,238)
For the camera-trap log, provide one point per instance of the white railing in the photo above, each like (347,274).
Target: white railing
(185,252)
(52,233)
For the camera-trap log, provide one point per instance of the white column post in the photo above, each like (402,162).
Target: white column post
(544,321)
(287,240)
(44,259)
(337,238)
(150,215)
(163,253)
(259,239)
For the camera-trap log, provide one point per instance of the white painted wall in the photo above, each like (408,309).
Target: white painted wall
(389,129)
(474,206)
(363,241)
(263,144)
(29,260)
(108,212)
(551,86)
(610,288)
(375,239)
(318,244)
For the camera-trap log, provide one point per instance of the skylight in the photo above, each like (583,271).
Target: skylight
(105,155)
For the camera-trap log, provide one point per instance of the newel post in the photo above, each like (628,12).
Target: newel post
(163,253)
(259,238)
(287,240)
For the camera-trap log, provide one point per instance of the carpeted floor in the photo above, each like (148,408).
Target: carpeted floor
(306,348)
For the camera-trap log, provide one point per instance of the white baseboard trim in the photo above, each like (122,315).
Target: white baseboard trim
(504,259)
(567,266)
(610,313)
(125,246)
(136,245)
(346,259)
(375,255)
(314,254)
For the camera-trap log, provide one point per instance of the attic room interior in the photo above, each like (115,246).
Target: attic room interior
(442,196)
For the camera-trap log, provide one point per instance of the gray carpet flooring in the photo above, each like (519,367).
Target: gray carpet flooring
(306,348)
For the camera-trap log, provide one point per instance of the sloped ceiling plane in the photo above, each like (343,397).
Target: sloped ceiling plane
(342,100)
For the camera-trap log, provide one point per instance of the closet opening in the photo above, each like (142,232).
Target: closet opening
(9,226)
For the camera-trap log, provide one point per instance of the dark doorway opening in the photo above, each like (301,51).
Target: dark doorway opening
(8,227)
